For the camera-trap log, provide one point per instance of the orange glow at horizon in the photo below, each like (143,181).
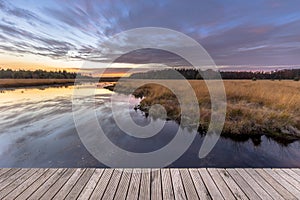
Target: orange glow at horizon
(34,66)
(115,75)
(34,62)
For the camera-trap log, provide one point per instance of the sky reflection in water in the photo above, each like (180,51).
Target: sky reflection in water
(37,130)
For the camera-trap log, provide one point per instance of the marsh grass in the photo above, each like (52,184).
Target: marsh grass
(5,83)
(253,107)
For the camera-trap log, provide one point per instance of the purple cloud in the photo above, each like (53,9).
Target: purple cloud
(233,32)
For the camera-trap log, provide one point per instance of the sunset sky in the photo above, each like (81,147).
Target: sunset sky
(237,34)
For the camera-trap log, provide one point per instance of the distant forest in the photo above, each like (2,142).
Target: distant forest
(291,74)
(37,74)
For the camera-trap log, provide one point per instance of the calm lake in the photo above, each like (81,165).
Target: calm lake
(37,130)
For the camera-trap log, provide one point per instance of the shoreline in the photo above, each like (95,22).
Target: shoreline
(22,83)
(247,115)
(19,83)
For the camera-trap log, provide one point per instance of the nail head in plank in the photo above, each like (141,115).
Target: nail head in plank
(220,183)
(236,190)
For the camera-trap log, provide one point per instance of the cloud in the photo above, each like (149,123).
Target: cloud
(243,32)
(252,48)
(21,13)
(21,41)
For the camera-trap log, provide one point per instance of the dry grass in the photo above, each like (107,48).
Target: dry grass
(282,95)
(32,82)
(262,106)
(253,107)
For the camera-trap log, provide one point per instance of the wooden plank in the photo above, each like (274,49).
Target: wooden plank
(145,184)
(256,187)
(236,190)
(292,174)
(24,185)
(296,170)
(243,184)
(8,174)
(11,175)
(220,183)
(76,190)
(210,184)
(102,184)
(152,184)
(113,184)
(156,192)
(199,185)
(178,188)
(283,182)
(16,182)
(90,186)
(44,187)
(29,190)
(123,187)
(279,188)
(288,178)
(265,185)
(188,184)
(51,192)
(67,187)
(3,171)
(167,188)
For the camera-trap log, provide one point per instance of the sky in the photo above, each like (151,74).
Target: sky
(62,34)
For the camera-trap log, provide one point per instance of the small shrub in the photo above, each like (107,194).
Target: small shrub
(253,79)
(235,113)
(296,78)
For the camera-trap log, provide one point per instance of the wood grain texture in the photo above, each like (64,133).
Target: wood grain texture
(174,183)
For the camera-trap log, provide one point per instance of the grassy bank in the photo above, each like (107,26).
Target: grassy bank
(8,83)
(253,107)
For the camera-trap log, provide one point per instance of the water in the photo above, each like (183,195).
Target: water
(37,130)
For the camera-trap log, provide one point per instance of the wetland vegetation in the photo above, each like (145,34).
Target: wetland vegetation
(260,107)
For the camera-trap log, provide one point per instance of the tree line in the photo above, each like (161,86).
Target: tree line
(37,74)
(291,74)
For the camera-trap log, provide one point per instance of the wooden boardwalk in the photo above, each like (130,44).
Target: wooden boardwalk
(149,183)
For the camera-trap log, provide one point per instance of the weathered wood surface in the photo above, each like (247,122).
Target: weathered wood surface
(130,184)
